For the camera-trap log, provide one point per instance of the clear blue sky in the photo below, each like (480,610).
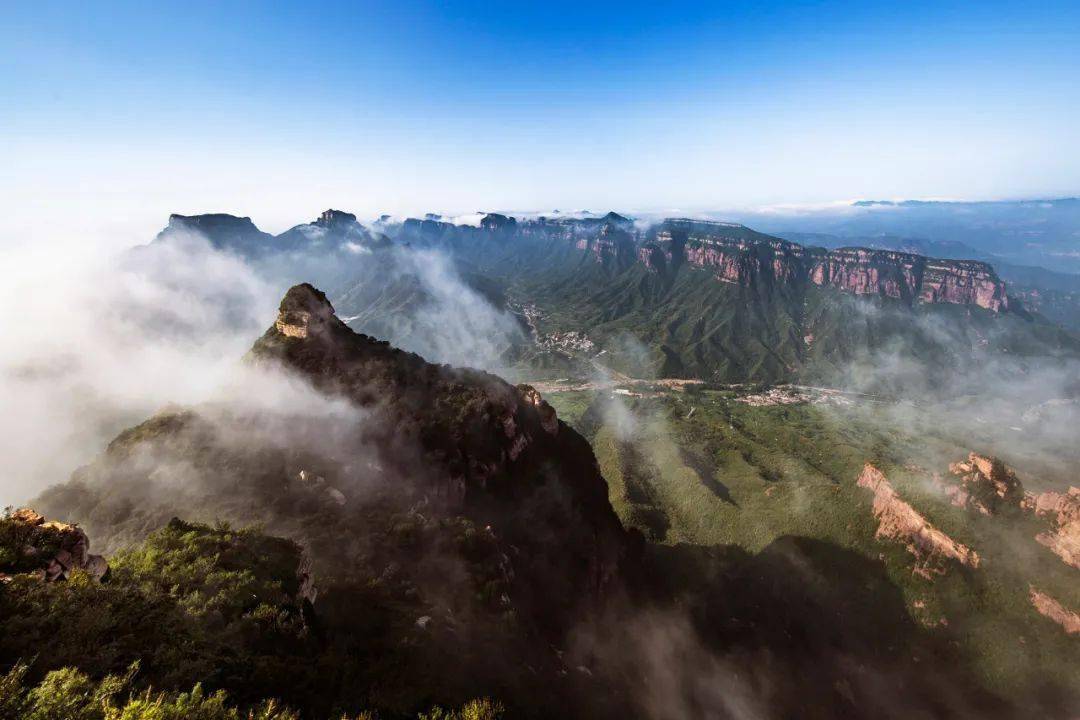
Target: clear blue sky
(114,114)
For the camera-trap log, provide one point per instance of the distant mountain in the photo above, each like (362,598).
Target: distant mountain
(223,231)
(1055,295)
(720,301)
(680,298)
(943,249)
(1045,233)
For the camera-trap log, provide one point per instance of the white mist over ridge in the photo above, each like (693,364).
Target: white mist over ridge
(98,341)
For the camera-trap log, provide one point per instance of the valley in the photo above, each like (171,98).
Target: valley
(850,473)
(540,361)
(702,467)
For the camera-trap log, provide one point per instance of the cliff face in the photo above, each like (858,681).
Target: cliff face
(964,282)
(900,522)
(610,245)
(741,256)
(734,253)
(869,272)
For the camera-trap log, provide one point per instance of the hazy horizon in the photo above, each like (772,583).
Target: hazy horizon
(117,118)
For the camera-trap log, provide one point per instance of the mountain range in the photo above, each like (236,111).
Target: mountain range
(733,475)
(677,298)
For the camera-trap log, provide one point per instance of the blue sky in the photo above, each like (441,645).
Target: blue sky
(115,114)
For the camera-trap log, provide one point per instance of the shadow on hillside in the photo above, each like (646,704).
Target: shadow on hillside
(706,472)
(808,629)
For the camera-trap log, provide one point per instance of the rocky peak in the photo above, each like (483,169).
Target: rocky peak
(620,221)
(212,223)
(495,221)
(336,220)
(224,231)
(986,485)
(303,311)
(487,446)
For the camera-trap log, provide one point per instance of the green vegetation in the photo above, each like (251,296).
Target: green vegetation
(68,694)
(729,474)
(193,603)
(219,610)
(685,323)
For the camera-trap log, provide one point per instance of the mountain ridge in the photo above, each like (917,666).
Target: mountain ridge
(732,248)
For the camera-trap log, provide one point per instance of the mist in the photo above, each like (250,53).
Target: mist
(1020,402)
(454,323)
(96,342)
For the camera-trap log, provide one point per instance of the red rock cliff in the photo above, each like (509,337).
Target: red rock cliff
(738,255)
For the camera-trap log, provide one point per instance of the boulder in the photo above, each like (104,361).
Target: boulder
(48,548)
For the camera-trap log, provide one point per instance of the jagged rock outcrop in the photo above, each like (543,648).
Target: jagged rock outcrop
(986,485)
(50,549)
(1063,509)
(1052,609)
(900,522)
(355,364)
(548,419)
(610,245)
(990,487)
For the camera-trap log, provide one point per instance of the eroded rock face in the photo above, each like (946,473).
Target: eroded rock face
(990,487)
(1064,536)
(741,256)
(899,521)
(613,245)
(869,272)
(548,419)
(300,312)
(962,282)
(49,549)
(1051,608)
(986,485)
